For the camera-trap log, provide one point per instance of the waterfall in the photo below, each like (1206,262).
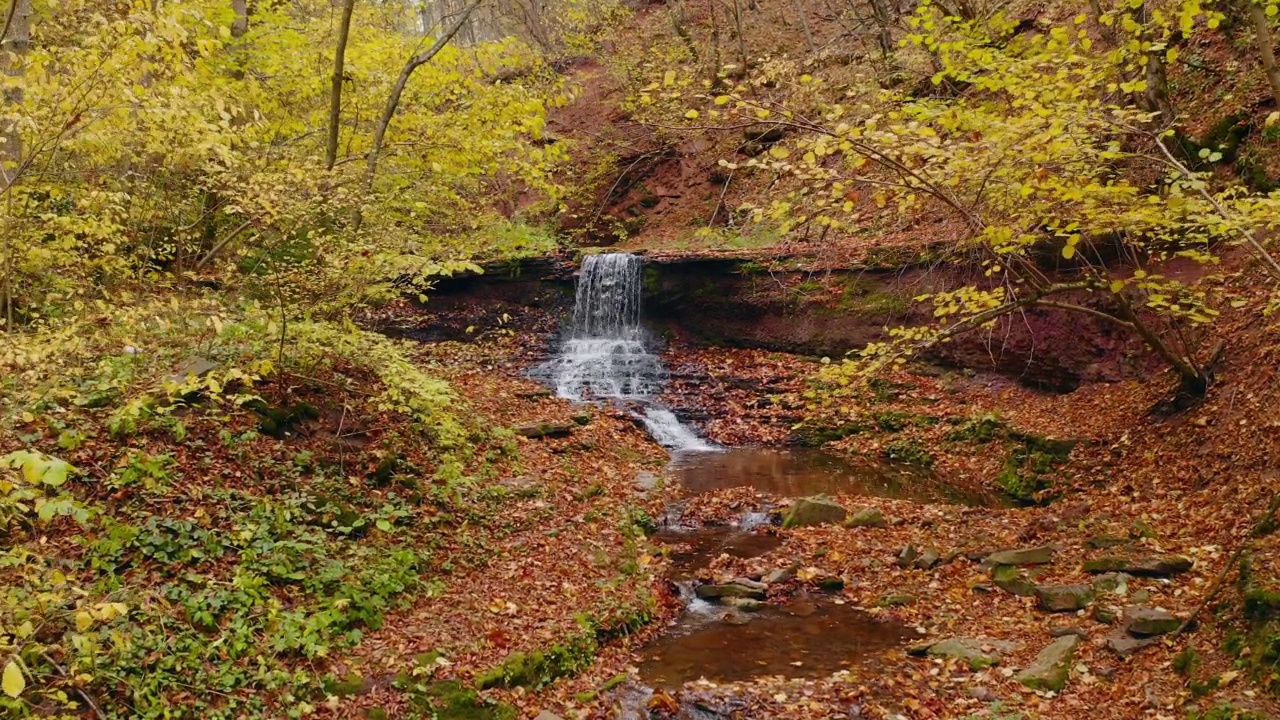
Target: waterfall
(604,356)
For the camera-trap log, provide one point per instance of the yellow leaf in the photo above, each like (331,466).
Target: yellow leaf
(1117,286)
(780,153)
(669,78)
(691,115)
(13,682)
(810,158)
(1272,118)
(722,100)
(84,621)
(1069,251)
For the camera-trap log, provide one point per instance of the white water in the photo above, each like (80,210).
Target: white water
(605,357)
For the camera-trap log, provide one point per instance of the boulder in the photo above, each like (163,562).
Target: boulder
(1106,614)
(1011,580)
(1149,566)
(816,510)
(1063,598)
(196,367)
(1149,622)
(1064,630)
(544,430)
(1024,556)
(979,654)
(726,590)
(868,517)
(1050,669)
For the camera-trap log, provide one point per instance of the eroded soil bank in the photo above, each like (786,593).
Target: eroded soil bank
(1125,492)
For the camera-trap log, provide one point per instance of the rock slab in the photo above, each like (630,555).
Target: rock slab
(1051,667)
(1041,555)
(1063,598)
(816,510)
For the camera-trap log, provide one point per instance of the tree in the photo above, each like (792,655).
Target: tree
(397,90)
(1261,11)
(335,90)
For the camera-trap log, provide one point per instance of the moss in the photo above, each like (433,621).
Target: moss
(811,436)
(539,668)
(891,421)
(1028,474)
(1224,712)
(907,451)
(982,429)
(449,700)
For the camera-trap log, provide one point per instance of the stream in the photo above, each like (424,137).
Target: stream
(605,356)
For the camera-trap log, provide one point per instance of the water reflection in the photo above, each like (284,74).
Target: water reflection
(807,638)
(802,471)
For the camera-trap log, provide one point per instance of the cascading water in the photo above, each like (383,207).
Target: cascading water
(604,356)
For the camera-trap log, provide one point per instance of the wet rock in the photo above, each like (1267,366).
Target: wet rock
(581,418)
(1063,598)
(1149,566)
(780,575)
(978,654)
(1114,583)
(1148,622)
(1064,630)
(1024,556)
(745,604)
(928,559)
(816,510)
(713,592)
(1050,669)
(1125,645)
(868,517)
(1011,580)
(907,556)
(749,583)
(535,394)
(544,430)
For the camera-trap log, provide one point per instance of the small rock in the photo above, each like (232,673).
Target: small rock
(816,510)
(896,600)
(1010,579)
(1025,556)
(1063,598)
(1114,583)
(735,617)
(1064,630)
(1125,645)
(780,575)
(1050,669)
(545,430)
(745,604)
(981,693)
(831,584)
(1106,614)
(927,559)
(581,418)
(749,583)
(978,654)
(711,592)
(1141,597)
(1150,566)
(907,556)
(1148,622)
(196,367)
(1102,542)
(868,517)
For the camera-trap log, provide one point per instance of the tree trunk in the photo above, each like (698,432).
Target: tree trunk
(880,9)
(335,90)
(240,25)
(15,42)
(803,13)
(393,100)
(1263,30)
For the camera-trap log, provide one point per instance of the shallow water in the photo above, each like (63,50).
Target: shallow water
(797,472)
(807,638)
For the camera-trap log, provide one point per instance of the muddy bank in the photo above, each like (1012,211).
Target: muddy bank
(783,305)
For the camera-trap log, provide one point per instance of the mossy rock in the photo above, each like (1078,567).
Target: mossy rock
(867,517)
(449,700)
(1051,667)
(816,510)
(537,669)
